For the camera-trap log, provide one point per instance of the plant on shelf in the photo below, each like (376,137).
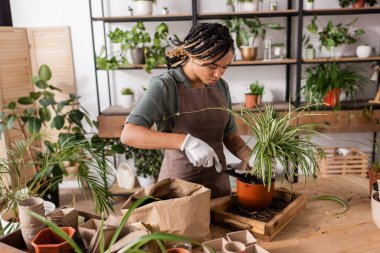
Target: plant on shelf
(41,112)
(333,36)
(147,163)
(357,3)
(309,52)
(253,97)
(309,5)
(128,97)
(136,41)
(325,81)
(155,54)
(247,32)
(278,139)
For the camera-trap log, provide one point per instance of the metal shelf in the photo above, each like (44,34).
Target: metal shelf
(343,59)
(169,17)
(280,13)
(342,11)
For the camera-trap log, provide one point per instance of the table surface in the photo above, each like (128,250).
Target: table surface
(314,231)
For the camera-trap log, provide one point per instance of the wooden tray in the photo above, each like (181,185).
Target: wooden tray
(262,230)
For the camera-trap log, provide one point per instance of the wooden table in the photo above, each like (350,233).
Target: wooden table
(314,231)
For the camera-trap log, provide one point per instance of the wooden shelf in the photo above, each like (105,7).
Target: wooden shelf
(342,11)
(221,15)
(169,17)
(262,62)
(235,63)
(343,59)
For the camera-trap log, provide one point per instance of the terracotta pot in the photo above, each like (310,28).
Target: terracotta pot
(359,4)
(332,98)
(252,101)
(46,241)
(372,178)
(254,196)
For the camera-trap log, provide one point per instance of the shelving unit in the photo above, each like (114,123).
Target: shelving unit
(289,62)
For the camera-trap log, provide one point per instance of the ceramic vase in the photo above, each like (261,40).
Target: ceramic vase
(143,7)
(363,51)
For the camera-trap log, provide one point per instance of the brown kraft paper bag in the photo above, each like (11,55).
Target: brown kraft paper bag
(184,208)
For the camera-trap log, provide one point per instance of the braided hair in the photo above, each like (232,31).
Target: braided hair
(204,42)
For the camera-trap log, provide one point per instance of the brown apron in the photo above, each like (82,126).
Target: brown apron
(207,125)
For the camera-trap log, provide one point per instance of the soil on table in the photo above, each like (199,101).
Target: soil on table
(265,215)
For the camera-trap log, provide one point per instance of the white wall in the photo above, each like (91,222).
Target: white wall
(75,13)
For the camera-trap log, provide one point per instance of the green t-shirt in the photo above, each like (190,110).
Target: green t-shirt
(161,101)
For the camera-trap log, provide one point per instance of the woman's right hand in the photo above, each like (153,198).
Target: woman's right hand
(200,153)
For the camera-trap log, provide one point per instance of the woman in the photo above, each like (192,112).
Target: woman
(179,103)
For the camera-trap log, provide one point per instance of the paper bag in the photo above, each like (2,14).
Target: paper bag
(184,208)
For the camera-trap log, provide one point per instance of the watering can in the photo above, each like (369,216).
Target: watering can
(124,176)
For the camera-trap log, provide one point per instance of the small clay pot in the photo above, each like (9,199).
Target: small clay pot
(46,241)
(178,250)
(359,4)
(252,101)
(254,196)
(332,98)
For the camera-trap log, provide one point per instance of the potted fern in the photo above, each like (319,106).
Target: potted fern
(128,97)
(253,98)
(325,82)
(278,139)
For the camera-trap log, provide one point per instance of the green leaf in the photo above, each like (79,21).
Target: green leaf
(76,116)
(41,84)
(46,101)
(332,198)
(11,105)
(45,114)
(11,121)
(73,96)
(35,95)
(58,122)
(88,120)
(54,88)
(34,124)
(35,79)
(25,100)
(44,73)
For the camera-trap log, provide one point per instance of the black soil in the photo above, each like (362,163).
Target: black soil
(244,177)
(265,215)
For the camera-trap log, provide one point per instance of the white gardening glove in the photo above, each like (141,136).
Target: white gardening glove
(200,153)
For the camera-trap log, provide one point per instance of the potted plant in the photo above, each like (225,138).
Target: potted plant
(136,41)
(357,3)
(363,51)
(309,5)
(253,98)
(325,82)
(334,37)
(40,112)
(133,40)
(247,31)
(249,5)
(128,97)
(309,51)
(165,11)
(278,139)
(130,11)
(144,7)
(230,6)
(147,164)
